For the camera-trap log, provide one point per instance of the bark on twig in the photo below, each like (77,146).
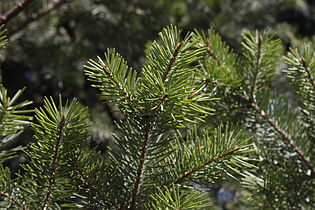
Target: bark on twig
(4,19)
(37,16)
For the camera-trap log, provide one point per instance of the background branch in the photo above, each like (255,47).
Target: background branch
(36,16)
(284,136)
(12,199)
(14,11)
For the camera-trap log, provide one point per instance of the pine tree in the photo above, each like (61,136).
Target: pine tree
(158,151)
(193,114)
(280,120)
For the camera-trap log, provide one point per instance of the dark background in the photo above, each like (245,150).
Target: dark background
(47,54)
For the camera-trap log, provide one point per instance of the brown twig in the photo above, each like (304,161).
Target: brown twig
(162,99)
(283,135)
(308,72)
(93,187)
(54,162)
(109,73)
(171,62)
(190,172)
(35,17)
(4,19)
(12,199)
(147,130)
(136,189)
(210,51)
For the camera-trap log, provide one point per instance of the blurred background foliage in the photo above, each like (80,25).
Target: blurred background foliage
(46,52)
(50,41)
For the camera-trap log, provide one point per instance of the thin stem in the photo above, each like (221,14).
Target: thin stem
(171,62)
(136,189)
(12,199)
(14,11)
(308,73)
(162,99)
(35,17)
(283,135)
(210,51)
(163,166)
(109,73)
(147,130)
(93,187)
(54,162)
(257,67)
(217,158)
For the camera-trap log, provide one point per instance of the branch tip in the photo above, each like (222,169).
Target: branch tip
(260,41)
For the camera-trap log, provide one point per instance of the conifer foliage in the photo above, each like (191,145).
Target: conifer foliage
(157,104)
(193,114)
(280,121)
(158,152)
(13,116)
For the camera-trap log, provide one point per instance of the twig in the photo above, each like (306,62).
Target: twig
(162,99)
(136,189)
(222,156)
(210,51)
(93,187)
(147,130)
(308,72)
(12,199)
(109,73)
(35,17)
(284,136)
(170,64)
(14,11)
(257,67)
(54,162)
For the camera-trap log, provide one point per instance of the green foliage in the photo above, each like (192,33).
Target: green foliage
(13,116)
(13,120)
(114,79)
(170,136)
(261,57)
(282,127)
(59,133)
(219,63)
(174,198)
(157,153)
(162,99)
(3,38)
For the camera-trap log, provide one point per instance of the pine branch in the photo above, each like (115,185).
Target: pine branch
(144,149)
(210,51)
(171,62)
(308,72)
(146,134)
(109,73)
(37,16)
(160,103)
(54,162)
(220,59)
(11,198)
(174,198)
(114,78)
(92,186)
(283,135)
(4,19)
(12,120)
(217,158)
